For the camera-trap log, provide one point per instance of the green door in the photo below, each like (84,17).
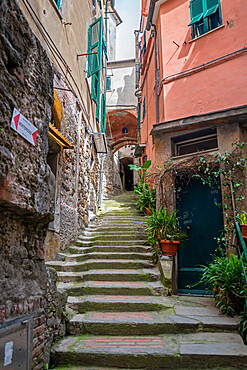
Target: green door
(202,220)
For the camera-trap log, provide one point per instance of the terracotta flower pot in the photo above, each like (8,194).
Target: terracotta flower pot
(169,247)
(244,231)
(148,211)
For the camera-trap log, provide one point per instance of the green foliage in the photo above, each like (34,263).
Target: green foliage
(225,278)
(146,196)
(162,225)
(142,171)
(243,326)
(243,218)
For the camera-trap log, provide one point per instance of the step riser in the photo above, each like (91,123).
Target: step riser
(122,256)
(109,242)
(111,291)
(103,265)
(136,249)
(110,277)
(116,236)
(135,328)
(149,361)
(116,306)
(126,329)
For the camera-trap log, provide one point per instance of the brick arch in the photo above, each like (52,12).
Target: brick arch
(116,121)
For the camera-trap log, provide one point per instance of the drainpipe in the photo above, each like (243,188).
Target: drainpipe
(156,75)
(150,14)
(101,178)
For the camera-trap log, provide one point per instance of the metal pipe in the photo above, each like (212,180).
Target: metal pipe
(156,76)
(101,179)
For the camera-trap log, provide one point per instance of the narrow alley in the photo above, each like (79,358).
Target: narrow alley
(120,315)
(123,186)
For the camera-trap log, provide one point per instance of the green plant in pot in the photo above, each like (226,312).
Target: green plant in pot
(243,221)
(146,199)
(164,228)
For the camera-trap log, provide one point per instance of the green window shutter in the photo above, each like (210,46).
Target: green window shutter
(108,83)
(103,113)
(196,11)
(105,48)
(95,91)
(95,44)
(139,117)
(143,108)
(58,3)
(212,7)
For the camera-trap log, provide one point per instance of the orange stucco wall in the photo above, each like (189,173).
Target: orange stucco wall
(219,87)
(222,86)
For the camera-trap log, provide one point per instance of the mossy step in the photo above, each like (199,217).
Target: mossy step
(192,351)
(152,323)
(98,264)
(107,248)
(109,242)
(113,288)
(115,303)
(110,275)
(107,255)
(113,236)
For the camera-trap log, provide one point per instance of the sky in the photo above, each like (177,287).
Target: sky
(130,13)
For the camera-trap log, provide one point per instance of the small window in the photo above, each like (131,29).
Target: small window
(143,108)
(108,83)
(125,130)
(195,142)
(205,16)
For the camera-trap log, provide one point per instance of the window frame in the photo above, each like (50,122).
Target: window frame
(95,92)
(98,45)
(200,22)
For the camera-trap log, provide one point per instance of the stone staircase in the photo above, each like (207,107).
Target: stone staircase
(120,316)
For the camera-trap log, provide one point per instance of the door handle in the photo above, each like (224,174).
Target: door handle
(188,230)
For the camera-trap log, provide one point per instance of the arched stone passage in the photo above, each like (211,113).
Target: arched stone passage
(122,127)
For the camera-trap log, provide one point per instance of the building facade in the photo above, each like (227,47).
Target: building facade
(53,110)
(193,102)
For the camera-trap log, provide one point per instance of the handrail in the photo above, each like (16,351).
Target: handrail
(239,238)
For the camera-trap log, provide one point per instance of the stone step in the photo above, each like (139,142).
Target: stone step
(108,248)
(113,236)
(110,275)
(147,323)
(197,350)
(106,255)
(136,288)
(115,303)
(99,264)
(109,242)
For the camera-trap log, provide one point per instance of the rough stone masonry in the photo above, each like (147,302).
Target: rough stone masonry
(26,193)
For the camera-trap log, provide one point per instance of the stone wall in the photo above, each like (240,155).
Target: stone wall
(26,191)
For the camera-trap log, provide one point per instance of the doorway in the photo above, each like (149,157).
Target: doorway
(202,220)
(127,173)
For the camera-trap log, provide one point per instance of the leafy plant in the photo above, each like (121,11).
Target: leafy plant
(225,278)
(142,174)
(162,225)
(146,196)
(243,218)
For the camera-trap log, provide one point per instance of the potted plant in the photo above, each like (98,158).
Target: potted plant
(165,228)
(146,199)
(243,222)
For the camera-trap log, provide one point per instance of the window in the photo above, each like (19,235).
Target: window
(103,112)
(125,130)
(108,83)
(195,142)
(95,44)
(143,108)
(205,16)
(96,92)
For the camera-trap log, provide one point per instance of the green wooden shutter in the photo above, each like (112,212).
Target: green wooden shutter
(58,3)
(212,6)
(108,83)
(95,91)
(196,11)
(95,42)
(103,113)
